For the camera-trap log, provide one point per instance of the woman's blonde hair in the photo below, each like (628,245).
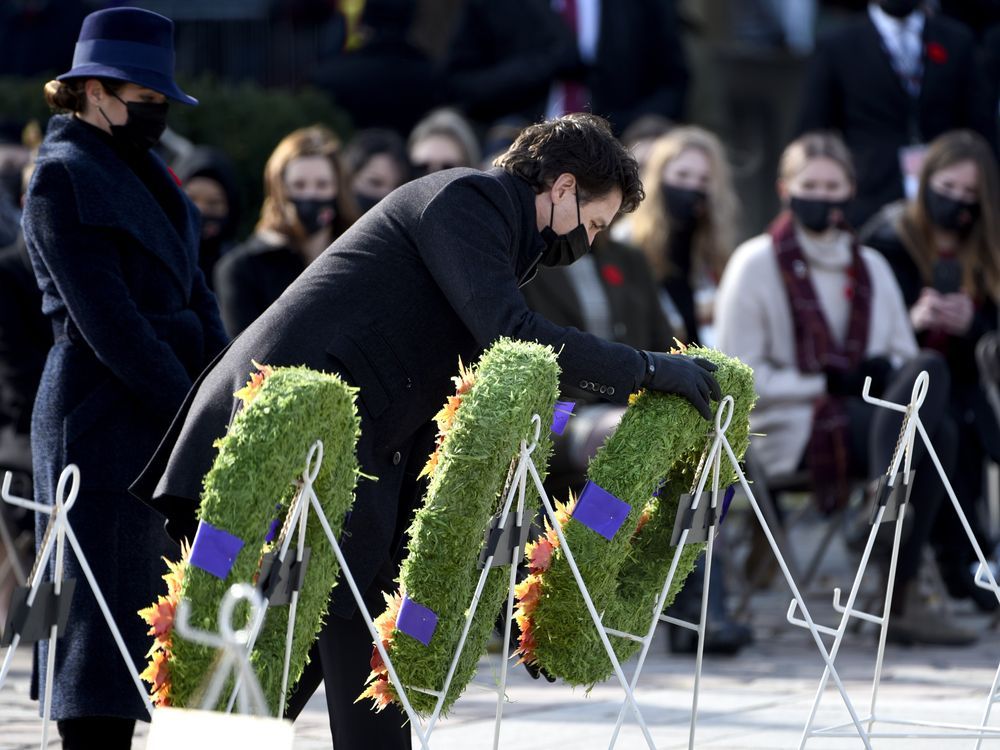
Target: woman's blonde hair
(715,234)
(277,213)
(979,248)
(819,144)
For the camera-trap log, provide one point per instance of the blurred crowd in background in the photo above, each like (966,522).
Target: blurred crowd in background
(891,110)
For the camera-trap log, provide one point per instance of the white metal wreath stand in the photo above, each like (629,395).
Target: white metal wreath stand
(894,501)
(524,467)
(691,533)
(57,533)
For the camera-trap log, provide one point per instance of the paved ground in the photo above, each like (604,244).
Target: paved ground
(760,699)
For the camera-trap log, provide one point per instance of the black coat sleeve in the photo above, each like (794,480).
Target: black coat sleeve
(464,237)
(84,264)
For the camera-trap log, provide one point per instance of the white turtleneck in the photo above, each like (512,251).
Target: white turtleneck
(754,323)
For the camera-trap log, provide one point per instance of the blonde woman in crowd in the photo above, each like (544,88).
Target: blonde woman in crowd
(686,225)
(814,313)
(308,203)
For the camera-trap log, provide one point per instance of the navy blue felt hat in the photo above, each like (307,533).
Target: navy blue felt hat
(128,44)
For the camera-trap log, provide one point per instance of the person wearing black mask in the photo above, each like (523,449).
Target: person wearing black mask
(209,180)
(815,313)
(686,228)
(307,205)
(890,81)
(942,246)
(112,241)
(378,163)
(428,276)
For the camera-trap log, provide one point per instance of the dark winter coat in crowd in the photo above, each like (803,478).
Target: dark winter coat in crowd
(852,87)
(386,83)
(113,243)
(505,57)
(251,277)
(205,161)
(429,275)
(25,339)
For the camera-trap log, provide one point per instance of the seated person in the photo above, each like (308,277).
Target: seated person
(442,140)
(814,313)
(685,226)
(307,205)
(377,161)
(942,247)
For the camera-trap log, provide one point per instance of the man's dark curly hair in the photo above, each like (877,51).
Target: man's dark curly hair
(581,144)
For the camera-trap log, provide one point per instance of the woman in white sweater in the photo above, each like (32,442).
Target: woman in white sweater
(814,314)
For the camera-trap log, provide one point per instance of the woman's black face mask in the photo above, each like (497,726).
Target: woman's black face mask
(563,249)
(684,206)
(144,126)
(948,213)
(815,215)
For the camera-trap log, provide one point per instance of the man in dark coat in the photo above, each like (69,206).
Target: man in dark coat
(855,85)
(429,275)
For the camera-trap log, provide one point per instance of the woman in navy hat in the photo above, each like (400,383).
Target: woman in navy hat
(113,241)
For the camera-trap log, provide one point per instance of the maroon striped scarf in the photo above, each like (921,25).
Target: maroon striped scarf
(817,351)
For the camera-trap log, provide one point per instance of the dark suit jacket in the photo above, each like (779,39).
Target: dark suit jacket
(427,276)
(637,318)
(505,56)
(115,257)
(851,87)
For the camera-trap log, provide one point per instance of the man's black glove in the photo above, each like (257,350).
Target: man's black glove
(852,382)
(690,377)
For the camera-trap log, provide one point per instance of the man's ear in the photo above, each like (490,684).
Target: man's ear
(564,185)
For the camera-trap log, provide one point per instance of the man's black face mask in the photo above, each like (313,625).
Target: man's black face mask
(563,249)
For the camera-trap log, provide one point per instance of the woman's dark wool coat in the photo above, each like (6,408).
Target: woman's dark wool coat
(134,323)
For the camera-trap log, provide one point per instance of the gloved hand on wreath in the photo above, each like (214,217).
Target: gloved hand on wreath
(690,377)
(852,382)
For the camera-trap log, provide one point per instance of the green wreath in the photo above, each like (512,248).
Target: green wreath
(660,441)
(481,429)
(251,484)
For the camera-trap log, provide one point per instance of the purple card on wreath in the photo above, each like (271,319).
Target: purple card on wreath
(416,620)
(601,511)
(214,550)
(561,415)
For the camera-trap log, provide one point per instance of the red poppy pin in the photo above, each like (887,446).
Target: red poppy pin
(613,275)
(936,53)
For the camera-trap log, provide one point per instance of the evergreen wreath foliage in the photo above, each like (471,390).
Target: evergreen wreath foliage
(481,432)
(656,449)
(253,481)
